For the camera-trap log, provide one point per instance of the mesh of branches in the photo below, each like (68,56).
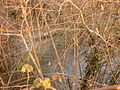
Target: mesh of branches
(74,43)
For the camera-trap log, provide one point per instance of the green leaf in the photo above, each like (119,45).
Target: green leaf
(27,68)
(38,82)
(26,57)
(46,83)
(42,82)
(19,66)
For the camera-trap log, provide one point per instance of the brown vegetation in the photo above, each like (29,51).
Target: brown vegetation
(74,43)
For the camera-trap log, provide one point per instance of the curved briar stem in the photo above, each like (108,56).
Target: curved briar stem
(116,87)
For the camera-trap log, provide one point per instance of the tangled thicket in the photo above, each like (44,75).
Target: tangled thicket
(75,43)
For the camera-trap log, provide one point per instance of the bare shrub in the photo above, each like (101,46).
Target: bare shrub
(74,43)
